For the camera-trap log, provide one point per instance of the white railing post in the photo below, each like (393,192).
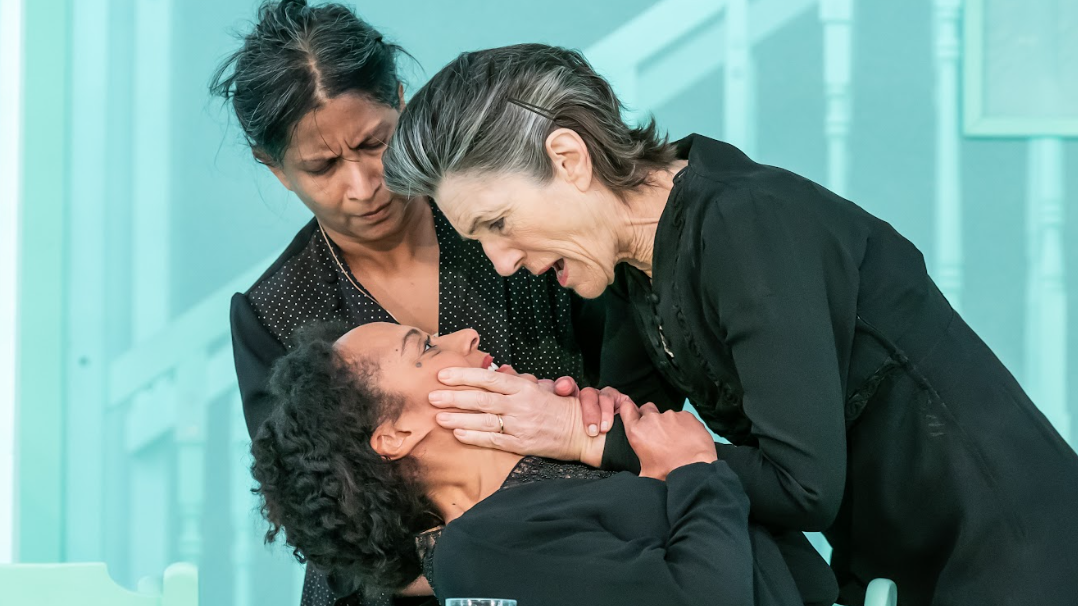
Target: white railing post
(948,270)
(837,19)
(151,168)
(1046,296)
(190,437)
(11,118)
(86,261)
(243,505)
(739,107)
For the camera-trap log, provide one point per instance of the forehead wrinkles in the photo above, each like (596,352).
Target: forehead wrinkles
(458,199)
(308,139)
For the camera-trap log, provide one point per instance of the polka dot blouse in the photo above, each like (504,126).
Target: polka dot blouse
(524,320)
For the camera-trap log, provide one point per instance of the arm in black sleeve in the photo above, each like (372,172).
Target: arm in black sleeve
(706,557)
(254,350)
(784,282)
(618,455)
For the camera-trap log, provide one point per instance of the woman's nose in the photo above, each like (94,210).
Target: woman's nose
(507,261)
(363,180)
(465,341)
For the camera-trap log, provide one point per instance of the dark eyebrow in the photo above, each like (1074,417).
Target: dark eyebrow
(412,334)
(475,226)
(480,218)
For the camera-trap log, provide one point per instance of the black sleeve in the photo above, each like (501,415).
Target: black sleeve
(810,574)
(784,283)
(625,364)
(705,559)
(618,455)
(254,350)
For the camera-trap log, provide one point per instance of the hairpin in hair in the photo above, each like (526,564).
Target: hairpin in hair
(533,108)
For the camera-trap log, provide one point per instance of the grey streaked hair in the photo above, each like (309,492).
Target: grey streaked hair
(491,111)
(294,58)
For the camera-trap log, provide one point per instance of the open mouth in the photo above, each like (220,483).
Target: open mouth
(560,270)
(488,363)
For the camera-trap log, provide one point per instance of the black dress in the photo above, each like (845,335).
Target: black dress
(809,334)
(560,534)
(527,321)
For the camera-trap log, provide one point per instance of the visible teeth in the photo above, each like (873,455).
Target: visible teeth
(492,366)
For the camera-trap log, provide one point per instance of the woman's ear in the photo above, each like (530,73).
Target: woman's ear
(400,97)
(570,157)
(392,442)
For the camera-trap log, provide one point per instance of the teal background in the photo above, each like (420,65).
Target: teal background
(141,212)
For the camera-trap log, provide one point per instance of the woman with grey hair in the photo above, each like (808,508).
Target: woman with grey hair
(803,329)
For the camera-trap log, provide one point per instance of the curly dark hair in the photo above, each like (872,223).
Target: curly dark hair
(340,505)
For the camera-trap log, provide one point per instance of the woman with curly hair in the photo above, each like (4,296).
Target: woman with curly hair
(352,465)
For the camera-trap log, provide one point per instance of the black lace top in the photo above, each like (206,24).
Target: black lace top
(527,471)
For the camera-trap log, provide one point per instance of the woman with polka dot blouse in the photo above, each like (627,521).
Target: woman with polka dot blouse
(316,92)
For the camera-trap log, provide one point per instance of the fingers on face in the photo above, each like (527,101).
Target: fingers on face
(482,378)
(474,400)
(470,421)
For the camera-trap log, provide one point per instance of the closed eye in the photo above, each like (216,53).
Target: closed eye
(323,169)
(497,226)
(373,145)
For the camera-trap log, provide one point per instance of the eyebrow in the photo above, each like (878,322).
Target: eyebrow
(475,226)
(480,218)
(369,135)
(411,334)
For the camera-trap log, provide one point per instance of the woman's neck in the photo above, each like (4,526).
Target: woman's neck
(414,240)
(640,214)
(458,477)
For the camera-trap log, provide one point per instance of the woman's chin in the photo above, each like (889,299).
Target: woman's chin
(588,290)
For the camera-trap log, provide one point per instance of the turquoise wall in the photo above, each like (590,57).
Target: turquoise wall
(142,212)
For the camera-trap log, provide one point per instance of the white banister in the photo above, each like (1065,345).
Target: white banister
(661,79)
(739,105)
(837,19)
(190,438)
(151,166)
(11,118)
(618,56)
(198,330)
(1046,295)
(87,260)
(949,237)
(243,505)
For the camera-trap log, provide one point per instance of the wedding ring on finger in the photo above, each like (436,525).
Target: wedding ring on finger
(501,424)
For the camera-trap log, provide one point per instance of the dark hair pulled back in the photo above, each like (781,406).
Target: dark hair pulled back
(295,58)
